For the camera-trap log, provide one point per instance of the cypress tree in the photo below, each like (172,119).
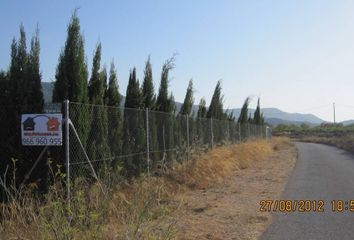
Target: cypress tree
(71,75)
(162,102)
(114,114)
(5,123)
(71,78)
(133,98)
(35,104)
(258,116)
(243,118)
(149,101)
(96,86)
(216,112)
(35,94)
(231,125)
(171,104)
(202,123)
(250,120)
(4,89)
(188,100)
(104,78)
(184,112)
(24,95)
(18,68)
(71,83)
(97,142)
(215,109)
(133,128)
(202,110)
(148,87)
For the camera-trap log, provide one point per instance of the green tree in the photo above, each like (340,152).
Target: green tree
(148,87)
(97,147)
(114,114)
(250,119)
(162,101)
(181,121)
(202,110)
(35,95)
(4,89)
(188,102)
(258,116)
(243,118)
(71,84)
(23,93)
(215,109)
(172,136)
(96,85)
(133,128)
(71,75)
(5,129)
(164,104)
(216,112)
(71,78)
(202,123)
(149,101)
(104,77)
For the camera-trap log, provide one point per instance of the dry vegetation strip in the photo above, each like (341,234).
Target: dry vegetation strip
(343,140)
(228,208)
(214,196)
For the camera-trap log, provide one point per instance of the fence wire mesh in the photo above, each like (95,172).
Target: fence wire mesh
(107,142)
(110,140)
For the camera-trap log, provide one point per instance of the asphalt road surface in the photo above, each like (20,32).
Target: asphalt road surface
(321,173)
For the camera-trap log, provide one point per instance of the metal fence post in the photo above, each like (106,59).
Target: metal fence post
(67,147)
(239,131)
(187,137)
(147,141)
(211,132)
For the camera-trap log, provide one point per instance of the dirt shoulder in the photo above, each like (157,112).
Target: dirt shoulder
(230,210)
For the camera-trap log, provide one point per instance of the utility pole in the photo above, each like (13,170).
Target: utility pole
(334,114)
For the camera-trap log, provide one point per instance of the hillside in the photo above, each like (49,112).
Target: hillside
(275,116)
(272,116)
(47,88)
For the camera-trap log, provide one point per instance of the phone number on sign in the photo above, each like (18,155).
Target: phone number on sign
(42,141)
(291,205)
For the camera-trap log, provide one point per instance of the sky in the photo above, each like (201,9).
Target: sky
(296,55)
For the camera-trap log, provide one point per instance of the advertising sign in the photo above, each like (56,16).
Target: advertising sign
(41,129)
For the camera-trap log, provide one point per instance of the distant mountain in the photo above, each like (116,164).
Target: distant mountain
(277,121)
(47,88)
(347,122)
(272,116)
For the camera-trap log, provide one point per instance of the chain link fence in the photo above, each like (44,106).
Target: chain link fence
(102,142)
(129,142)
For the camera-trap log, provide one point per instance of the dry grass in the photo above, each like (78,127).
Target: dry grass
(135,211)
(141,209)
(220,163)
(341,140)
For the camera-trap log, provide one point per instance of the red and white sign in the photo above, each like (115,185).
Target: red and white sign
(41,129)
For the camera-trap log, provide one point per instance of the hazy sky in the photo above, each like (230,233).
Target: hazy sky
(297,55)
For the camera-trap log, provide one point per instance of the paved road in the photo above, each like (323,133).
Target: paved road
(321,172)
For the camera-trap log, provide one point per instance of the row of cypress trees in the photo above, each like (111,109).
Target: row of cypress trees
(106,132)
(20,92)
